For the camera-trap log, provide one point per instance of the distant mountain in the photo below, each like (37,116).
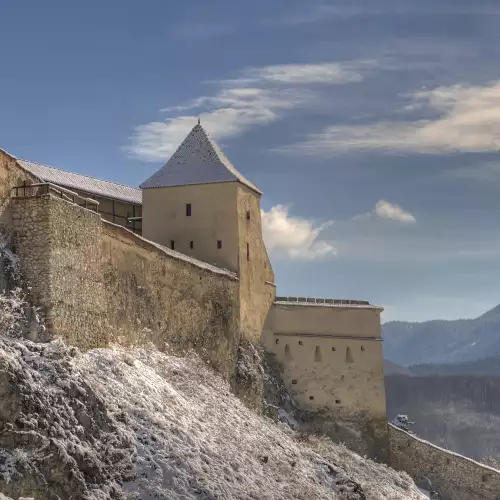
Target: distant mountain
(391,368)
(489,366)
(442,341)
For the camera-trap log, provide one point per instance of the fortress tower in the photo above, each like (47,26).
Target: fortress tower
(200,205)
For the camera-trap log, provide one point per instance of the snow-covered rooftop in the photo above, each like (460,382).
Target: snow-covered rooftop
(198,160)
(81,182)
(314,302)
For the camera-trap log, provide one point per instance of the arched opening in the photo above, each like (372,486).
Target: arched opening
(317,354)
(348,356)
(288,353)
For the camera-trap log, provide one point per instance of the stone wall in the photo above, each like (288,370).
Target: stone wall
(59,247)
(159,295)
(453,476)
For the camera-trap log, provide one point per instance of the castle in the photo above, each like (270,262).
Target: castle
(181,262)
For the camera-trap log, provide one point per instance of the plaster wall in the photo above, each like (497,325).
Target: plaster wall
(257,289)
(332,364)
(213,218)
(453,476)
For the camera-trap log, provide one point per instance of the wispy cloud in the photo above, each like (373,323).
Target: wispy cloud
(294,237)
(485,172)
(256,96)
(468,120)
(315,12)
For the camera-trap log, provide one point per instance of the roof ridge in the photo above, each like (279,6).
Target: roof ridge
(74,173)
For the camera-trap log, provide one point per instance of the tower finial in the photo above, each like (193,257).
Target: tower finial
(198,120)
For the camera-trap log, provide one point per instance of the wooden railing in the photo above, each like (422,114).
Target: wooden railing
(44,188)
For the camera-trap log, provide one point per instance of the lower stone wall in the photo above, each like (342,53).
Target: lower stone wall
(453,476)
(58,244)
(159,295)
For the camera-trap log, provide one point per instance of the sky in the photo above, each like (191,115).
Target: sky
(373,128)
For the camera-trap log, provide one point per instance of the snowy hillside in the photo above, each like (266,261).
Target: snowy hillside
(139,424)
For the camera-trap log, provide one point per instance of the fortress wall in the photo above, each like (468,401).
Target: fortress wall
(58,244)
(154,294)
(453,476)
(257,289)
(11,176)
(333,367)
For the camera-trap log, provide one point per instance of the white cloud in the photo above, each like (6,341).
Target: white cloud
(294,237)
(387,210)
(233,111)
(468,121)
(258,96)
(325,73)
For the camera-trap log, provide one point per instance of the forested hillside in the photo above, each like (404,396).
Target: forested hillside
(459,412)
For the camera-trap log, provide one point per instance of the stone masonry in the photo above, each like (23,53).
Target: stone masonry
(453,476)
(59,247)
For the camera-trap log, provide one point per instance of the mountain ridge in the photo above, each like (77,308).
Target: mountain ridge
(442,341)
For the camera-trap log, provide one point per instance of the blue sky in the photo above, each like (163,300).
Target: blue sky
(373,128)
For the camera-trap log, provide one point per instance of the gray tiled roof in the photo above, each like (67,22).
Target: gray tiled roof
(198,160)
(84,183)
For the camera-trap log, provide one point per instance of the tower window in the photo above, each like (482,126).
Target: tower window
(219,244)
(248,214)
(191,244)
(188,209)
(172,244)
(248,251)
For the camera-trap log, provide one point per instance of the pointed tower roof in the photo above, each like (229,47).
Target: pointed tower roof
(198,160)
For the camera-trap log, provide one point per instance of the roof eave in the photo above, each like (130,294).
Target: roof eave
(254,189)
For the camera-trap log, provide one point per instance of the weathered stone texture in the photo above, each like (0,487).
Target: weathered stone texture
(453,476)
(58,244)
(11,175)
(154,296)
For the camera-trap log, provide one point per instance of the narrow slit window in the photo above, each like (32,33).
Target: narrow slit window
(362,347)
(188,209)
(191,244)
(348,356)
(317,354)
(219,244)
(172,244)
(248,214)
(333,349)
(288,354)
(248,251)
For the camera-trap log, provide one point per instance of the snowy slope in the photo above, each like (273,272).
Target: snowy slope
(138,424)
